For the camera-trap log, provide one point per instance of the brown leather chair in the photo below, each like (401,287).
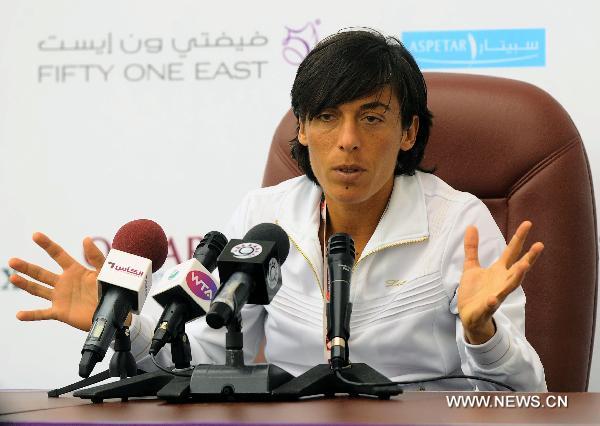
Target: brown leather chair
(513,146)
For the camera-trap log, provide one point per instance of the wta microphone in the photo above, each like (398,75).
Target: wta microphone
(187,289)
(251,271)
(139,248)
(340,260)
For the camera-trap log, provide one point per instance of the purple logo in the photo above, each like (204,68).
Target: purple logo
(201,284)
(300,41)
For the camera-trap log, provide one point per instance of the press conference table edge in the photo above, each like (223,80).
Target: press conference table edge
(34,407)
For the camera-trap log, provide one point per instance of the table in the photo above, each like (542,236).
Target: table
(34,407)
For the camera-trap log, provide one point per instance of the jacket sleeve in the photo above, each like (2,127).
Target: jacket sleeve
(507,357)
(207,344)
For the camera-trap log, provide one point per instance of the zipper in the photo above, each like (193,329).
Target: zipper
(307,260)
(386,246)
(378,249)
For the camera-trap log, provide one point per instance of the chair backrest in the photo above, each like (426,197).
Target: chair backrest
(513,146)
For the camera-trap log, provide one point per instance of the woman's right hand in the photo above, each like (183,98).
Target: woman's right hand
(74,293)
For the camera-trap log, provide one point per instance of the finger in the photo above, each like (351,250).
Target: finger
(92,253)
(534,253)
(515,278)
(34,271)
(55,251)
(513,250)
(31,287)
(471,248)
(519,269)
(37,315)
(528,259)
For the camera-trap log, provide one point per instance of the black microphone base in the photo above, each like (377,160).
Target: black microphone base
(122,364)
(230,383)
(321,380)
(92,380)
(147,384)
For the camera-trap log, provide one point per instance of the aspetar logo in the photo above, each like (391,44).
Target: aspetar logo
(126,269)
(477,48)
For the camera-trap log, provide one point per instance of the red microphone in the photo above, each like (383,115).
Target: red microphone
(139,248)
(144,238)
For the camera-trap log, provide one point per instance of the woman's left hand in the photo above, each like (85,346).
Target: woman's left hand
(482,290)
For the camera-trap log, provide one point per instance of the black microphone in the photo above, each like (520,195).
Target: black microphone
(340,260)
(187,289)
(251,271)
(139,248)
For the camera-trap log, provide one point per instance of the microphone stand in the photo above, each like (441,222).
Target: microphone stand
(149,384)
(122,364)
(234,380)
(322,380)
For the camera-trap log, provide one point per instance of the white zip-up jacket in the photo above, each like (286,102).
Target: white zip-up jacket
(405,321)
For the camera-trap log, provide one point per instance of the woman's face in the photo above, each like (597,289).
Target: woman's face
(353,147)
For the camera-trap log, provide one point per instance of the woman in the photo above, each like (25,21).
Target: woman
(430,296)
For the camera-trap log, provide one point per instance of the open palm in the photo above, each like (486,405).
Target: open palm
(73,293)
(482,290)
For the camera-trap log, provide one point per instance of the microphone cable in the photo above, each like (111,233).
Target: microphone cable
(183,372)
(340,376)
(186,373)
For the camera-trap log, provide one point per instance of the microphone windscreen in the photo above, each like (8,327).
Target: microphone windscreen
(271,232)
(341,243)
(209,249)
(145,238)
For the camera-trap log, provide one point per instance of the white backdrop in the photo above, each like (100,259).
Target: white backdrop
(113,110)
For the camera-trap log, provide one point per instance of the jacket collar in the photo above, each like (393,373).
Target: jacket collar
(404,220)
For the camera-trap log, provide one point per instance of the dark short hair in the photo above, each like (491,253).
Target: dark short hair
(353,64)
